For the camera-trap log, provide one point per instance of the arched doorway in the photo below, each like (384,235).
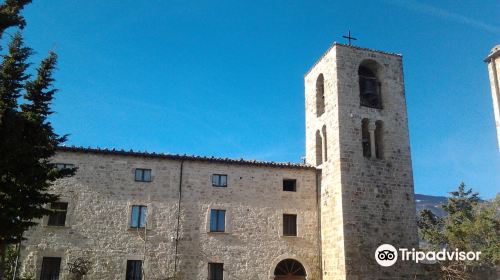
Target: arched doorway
(289,269)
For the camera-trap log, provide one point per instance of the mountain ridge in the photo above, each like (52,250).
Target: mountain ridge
(431,202)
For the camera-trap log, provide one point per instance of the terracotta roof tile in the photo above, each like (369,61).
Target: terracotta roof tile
(133,153)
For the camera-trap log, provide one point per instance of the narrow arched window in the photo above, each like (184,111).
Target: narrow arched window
(320,95)
(369,85)
(319,148)
(365,138)
(379,140)
(325,143)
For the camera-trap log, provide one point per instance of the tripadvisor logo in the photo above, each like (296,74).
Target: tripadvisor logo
(387,255)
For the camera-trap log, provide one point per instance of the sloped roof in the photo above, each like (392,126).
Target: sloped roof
(105,151)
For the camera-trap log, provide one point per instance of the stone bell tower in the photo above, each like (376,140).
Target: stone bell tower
(357,137)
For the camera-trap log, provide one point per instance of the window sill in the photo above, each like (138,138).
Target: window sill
(290,236)
(217,232)
(56,227)
(371,107)
(375,159)
(140,230)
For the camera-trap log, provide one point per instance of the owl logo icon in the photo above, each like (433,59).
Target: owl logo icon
(386,255)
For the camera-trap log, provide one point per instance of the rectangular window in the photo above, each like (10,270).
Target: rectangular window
(289,225)
(215,271)
(219,180)
(142,175)
(217,220)
(58,217)
(134,270)
(50,268)
(138,216)
(64,165)
(289,185)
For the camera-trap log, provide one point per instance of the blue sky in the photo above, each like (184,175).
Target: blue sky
(225,78)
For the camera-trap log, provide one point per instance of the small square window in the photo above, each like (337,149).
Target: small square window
(289,185)
(217,220)
(215,271)
(138,216)
(289,225)
(134,270)
(58,217)
(142,175)
(219,180)
(51,267)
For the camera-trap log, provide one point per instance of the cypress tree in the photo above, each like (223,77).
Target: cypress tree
(9,14)
(27,139)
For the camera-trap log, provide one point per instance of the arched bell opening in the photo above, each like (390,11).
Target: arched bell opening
(369,84)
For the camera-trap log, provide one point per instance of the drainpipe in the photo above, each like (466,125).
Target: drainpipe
(17,258)
(318,205)
(178,219)
(145,248)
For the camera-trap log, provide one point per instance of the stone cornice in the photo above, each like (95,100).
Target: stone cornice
(495,52)
(348,46)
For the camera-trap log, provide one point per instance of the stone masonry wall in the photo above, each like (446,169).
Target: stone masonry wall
(377,194)
(332,234)
(365,202)
(100,196)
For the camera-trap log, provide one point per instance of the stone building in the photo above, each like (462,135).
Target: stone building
(134,215)
(493,60)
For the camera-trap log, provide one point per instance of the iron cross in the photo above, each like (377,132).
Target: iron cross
(348,37)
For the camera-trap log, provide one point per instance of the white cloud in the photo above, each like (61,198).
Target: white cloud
(444,14)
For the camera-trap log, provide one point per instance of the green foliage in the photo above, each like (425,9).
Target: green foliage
(9,14)
(470,225)
(10,259)
(26,276)
(430,227)
(78,268)
(27,139)
(9,265)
